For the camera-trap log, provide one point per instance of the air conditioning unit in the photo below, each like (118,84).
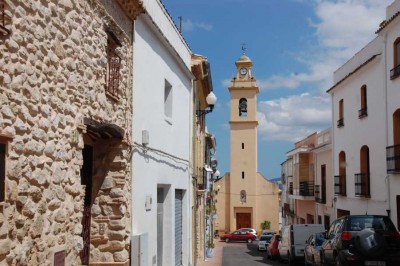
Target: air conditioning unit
(139,249)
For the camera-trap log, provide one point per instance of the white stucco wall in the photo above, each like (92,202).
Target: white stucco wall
(357,132)
(166,162)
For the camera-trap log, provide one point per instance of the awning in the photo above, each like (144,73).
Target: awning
(103,130)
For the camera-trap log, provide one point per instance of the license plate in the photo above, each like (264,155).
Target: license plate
(375,263)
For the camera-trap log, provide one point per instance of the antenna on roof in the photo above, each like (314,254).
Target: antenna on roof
(180,24)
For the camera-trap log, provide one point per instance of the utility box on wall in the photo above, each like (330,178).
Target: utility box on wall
(139,249)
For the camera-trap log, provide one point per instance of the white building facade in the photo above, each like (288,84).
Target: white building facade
(161,187)
(365,101)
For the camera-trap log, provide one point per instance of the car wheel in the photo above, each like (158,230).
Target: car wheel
(249,240)
(337,261)
(227,240)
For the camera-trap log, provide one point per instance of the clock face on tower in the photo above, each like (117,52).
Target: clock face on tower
(243,71)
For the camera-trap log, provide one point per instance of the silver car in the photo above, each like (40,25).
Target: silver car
(263,242)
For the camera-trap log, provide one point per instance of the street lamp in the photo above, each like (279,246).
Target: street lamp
(211,99)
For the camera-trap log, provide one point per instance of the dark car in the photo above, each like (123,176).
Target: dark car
(361,240)
(312,249)
(238,236)
(272,249)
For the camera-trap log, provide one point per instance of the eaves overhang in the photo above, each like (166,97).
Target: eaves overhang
(353,72)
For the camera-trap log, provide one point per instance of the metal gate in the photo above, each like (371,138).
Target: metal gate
(178,227)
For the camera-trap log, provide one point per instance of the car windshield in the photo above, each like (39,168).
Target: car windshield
(265,238)
(375,222)
(319,239)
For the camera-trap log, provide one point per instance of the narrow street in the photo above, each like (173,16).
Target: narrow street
(240,254)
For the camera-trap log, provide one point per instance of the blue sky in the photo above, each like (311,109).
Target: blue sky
(295,46)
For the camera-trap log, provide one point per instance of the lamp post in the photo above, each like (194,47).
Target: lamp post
(211,99)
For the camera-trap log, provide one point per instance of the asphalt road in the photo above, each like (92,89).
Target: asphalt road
(244,254)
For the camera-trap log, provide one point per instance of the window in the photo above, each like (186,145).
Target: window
(113,65)
(362,187)
(2,170)
(393,152)
(243,107)
(242,174)
(395,72)
(167,99)
(5,20)
(363,111)
(340,122)
(340,180)
(242,146)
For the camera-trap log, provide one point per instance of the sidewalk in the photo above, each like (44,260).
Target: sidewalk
(216,260)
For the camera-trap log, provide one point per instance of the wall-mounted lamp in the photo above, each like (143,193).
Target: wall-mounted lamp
(211,99)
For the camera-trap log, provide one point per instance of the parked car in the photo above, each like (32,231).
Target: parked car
(313,248)
(293,240)
(267,232)
(238,236)
(272,249)
(362,240)
(251,230)
(263,242)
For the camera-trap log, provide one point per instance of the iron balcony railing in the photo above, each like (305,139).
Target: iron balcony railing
(306,188)
(340,122)
(393,159)
(340,185)
(362,112)
(291,188)
(320,196)
(395,72)
(362,185)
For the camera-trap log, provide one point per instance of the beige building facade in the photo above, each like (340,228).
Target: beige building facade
(244,198)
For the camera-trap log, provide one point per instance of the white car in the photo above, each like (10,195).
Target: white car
(251,230)
(263,242)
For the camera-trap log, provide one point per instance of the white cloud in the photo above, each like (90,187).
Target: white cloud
(293,118)
(188,25)
(342,29)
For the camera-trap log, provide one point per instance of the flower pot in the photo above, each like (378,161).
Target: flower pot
(210,252)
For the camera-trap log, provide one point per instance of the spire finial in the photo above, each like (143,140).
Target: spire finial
(244,48)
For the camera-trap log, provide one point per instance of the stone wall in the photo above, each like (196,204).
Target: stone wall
(52,75)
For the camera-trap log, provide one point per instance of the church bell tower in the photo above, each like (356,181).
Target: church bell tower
(243,122)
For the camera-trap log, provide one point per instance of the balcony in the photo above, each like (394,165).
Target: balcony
(340,185)
(362,113)
(362,185)
(340,122)
(306,188)
(320,197)
(395,72)
(287,211)
(393,159)
(291,188)
(5,20)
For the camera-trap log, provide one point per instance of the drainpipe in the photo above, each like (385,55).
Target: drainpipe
(333,158)
(386,115)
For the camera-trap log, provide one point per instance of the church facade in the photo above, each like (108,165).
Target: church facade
(244,198)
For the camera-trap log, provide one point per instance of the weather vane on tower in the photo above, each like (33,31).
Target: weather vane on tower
(244,48)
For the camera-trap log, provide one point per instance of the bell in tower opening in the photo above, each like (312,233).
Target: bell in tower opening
(243,107)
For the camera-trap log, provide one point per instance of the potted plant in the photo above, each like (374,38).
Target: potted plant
(210,248)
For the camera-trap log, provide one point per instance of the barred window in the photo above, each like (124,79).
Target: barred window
(2,170)
(113,65)
(5,19)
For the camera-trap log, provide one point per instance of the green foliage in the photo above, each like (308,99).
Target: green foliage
(266,225)
(210,243)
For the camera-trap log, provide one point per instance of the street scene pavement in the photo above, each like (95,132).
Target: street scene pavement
(238,254)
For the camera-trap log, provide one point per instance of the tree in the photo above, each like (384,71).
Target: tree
(266,225)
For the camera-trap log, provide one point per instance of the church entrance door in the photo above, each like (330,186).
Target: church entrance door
(243,220)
